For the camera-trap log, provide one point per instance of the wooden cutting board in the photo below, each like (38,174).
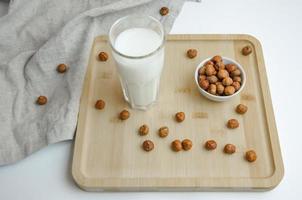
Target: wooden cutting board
(108,154)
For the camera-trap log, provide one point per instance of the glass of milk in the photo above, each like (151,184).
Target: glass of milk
(137,43)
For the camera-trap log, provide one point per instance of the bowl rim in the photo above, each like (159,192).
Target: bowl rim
(243,76)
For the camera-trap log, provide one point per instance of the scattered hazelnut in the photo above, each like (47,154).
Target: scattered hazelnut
(229,149)
(103,56)
(237,79)
(230,67)
(210,70)
(210,145)
(229,90)
(219,65)
(186,144)
(41,100)
(212,79)
(247,50)
(217,59)
(164,11)
(212,89)
(163,131)
(251,156)
(227,81)
(176,145)
(180,116)
(204,84)
(202,71)
(241,109)
(192,53)
(222,73)
(99,104)
(201,78)
(61,68)
(236,85)
(148,145)
(236,72)
(220,89)
(233,123)
(124,115)
(143,130)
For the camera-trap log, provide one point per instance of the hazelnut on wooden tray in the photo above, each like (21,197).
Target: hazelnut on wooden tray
(192,53)
(163,131)
(233,123)
(241,109)
(210,145)
(148,145)
(186,144)
(180,116)
(99,104)
(62,68)
(176,145)
(251,156)
(229,149)
(103,56)
(41,100)
(164,11)
(247,50)
(124,115)
(143,130)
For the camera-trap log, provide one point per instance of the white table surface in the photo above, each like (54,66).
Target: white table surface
(278,26)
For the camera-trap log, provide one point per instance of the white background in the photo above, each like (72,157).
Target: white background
(278,26)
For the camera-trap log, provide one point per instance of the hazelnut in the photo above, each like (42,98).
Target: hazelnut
(143,130)
(164,11)
(241,109)
(220,89)
(230,67)
(251,156)
(41,100)
(210,70)
(247,50)
(212,79)
(217,59)
(186,144)
(201,78)
(222,73)
(209,63)
(148,145)
(229,149)
(219,65)
(212,89)
(176,145)
(227,81)
(202,71)
(124,115)
(180,116)
(237,79)
(229,90)
(210,145)
(99,104)
(61,68)
(163,131)
(233,123)
(236,72)
(204,84)
(192,53)
(103,56)
(236,85)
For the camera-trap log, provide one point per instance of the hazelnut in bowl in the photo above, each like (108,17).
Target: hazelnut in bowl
(220,78)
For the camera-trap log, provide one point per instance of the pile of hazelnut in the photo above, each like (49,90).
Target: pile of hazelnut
(218,78)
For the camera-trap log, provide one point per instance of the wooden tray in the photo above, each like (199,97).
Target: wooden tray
(108,154)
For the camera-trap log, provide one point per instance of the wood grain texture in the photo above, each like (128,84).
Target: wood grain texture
(108,154)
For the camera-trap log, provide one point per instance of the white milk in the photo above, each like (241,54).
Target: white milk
(140,77)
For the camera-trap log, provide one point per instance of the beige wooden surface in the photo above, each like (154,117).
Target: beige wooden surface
(108,154)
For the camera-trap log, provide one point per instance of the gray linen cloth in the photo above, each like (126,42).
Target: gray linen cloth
(37,35)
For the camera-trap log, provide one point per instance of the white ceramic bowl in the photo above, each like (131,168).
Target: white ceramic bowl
(220,98)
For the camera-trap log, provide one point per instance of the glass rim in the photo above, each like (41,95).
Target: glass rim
(140,16)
